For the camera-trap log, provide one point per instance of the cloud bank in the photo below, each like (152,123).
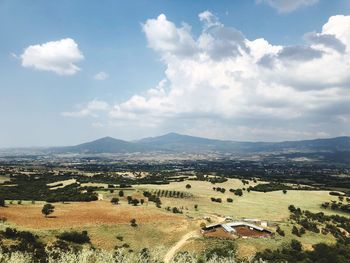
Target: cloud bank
(221,84)
(55,56)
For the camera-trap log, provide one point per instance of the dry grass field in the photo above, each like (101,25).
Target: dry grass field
(72,215)
(160,228)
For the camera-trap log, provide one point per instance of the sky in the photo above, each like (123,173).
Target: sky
(244,70)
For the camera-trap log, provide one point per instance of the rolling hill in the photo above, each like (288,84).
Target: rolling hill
(177,143)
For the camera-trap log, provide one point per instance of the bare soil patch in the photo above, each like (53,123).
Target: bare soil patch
(219,233)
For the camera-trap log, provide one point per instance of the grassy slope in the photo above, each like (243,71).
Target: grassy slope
(270,206)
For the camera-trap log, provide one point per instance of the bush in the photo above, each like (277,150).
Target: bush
(229,200)
(280,231)
(133,222)
(239,192)
(295,245)
(115,200)
(75,237)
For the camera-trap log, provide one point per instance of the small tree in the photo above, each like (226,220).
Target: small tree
(196,207)
(133,222)
(295,231)
(115,200)
(239,192)
(2,202)
(188,186)
(142,201)
(47,209)
(295,245)
(135,202)
(284,191)
(121,193)
(129,198)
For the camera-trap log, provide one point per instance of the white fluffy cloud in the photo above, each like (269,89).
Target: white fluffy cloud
(101,75)
(284,6)
(56,56)
(221,84)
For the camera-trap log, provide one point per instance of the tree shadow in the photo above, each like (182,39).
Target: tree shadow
(51,217)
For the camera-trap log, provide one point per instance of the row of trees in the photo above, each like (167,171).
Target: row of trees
(336,206)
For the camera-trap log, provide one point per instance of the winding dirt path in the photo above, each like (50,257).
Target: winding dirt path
(171,253)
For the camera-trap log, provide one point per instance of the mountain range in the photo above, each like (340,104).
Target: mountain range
(178,143)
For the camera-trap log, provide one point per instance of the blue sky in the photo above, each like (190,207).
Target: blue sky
(123,39)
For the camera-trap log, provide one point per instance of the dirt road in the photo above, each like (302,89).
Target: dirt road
(171,253)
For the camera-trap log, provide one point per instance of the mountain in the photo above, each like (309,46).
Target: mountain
(178,143)
(174,142)
(103,145)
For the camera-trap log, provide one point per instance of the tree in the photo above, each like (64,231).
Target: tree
(47,209)
(284,191)
(133,222)
(295,245)
(129,198)
(196,207)
(115,200)
(295,231)
(121,193)
(188,186)
(135,202)
(239,192)
(229,200)
(142,201)
(2,202)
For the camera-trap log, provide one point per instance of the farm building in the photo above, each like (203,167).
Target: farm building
(236,229)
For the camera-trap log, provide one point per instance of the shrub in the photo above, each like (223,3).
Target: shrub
(239,192)
(75,237)
(133,222)
(115,200)
(280,231)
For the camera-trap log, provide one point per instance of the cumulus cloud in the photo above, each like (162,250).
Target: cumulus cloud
(285,6)
(55,56)
(101,76)
(163,36)
(226,85)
